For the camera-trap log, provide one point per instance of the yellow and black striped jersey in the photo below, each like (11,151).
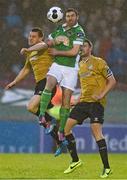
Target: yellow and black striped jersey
(40,61)
(93,73)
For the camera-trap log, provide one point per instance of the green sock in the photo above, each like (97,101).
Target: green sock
(45,99)
(64,114)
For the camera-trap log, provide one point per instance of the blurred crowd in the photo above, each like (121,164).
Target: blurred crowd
(104,21)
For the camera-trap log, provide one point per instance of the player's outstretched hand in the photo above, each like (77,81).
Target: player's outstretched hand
(23,51)
(10,85)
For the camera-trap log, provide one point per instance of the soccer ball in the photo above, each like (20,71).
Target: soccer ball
(55,14)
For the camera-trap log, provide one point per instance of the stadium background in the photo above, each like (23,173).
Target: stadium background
(105,24)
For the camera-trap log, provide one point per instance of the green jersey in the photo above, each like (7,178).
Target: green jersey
(67,38)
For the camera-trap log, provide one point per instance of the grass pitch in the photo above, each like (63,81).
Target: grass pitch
(46,166)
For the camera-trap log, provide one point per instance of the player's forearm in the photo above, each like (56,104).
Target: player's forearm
(110,85)
(38,47)
(22,75)
(66,53)
(72,52)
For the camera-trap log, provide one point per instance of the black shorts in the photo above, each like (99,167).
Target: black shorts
(40,87)
(84,110)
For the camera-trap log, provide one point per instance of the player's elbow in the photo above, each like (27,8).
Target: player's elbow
(113,82)
(75,50)
(31,108)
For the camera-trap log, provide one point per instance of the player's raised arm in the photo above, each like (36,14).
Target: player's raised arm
(39,46)
(23,51)
(36,47)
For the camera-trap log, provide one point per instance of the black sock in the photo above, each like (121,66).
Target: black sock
(48,117)
(54,134)
(103,152)
(72,147)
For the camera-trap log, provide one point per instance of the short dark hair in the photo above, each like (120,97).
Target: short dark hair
(72,10)
(39,31)
(89,42)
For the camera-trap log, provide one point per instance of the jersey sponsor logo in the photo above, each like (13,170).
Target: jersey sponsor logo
(86,74)
(33,56)
(62,39)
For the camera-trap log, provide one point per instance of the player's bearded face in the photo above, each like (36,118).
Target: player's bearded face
(33,38)
(71,18)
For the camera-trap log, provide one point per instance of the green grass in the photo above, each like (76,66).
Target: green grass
(46,166)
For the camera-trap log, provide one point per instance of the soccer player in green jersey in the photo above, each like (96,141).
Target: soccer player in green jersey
(66,39)
(65,42)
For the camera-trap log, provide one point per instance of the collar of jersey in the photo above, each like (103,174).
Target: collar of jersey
(87,59)
(65,24)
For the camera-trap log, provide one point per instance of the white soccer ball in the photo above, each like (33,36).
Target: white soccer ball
(55,14)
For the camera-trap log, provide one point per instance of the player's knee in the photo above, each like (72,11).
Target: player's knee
(30,108)
(66,105)
(51,83)
(66,98)
(50,86)
(68,127)
(66,102)
(67,131)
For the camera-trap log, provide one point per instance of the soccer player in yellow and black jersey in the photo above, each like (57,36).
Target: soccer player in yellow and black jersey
(96,81)
(39,62)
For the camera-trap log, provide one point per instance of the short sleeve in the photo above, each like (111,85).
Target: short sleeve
(80,35)
(104,69)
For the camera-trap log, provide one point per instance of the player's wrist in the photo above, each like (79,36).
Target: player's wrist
(15,82)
